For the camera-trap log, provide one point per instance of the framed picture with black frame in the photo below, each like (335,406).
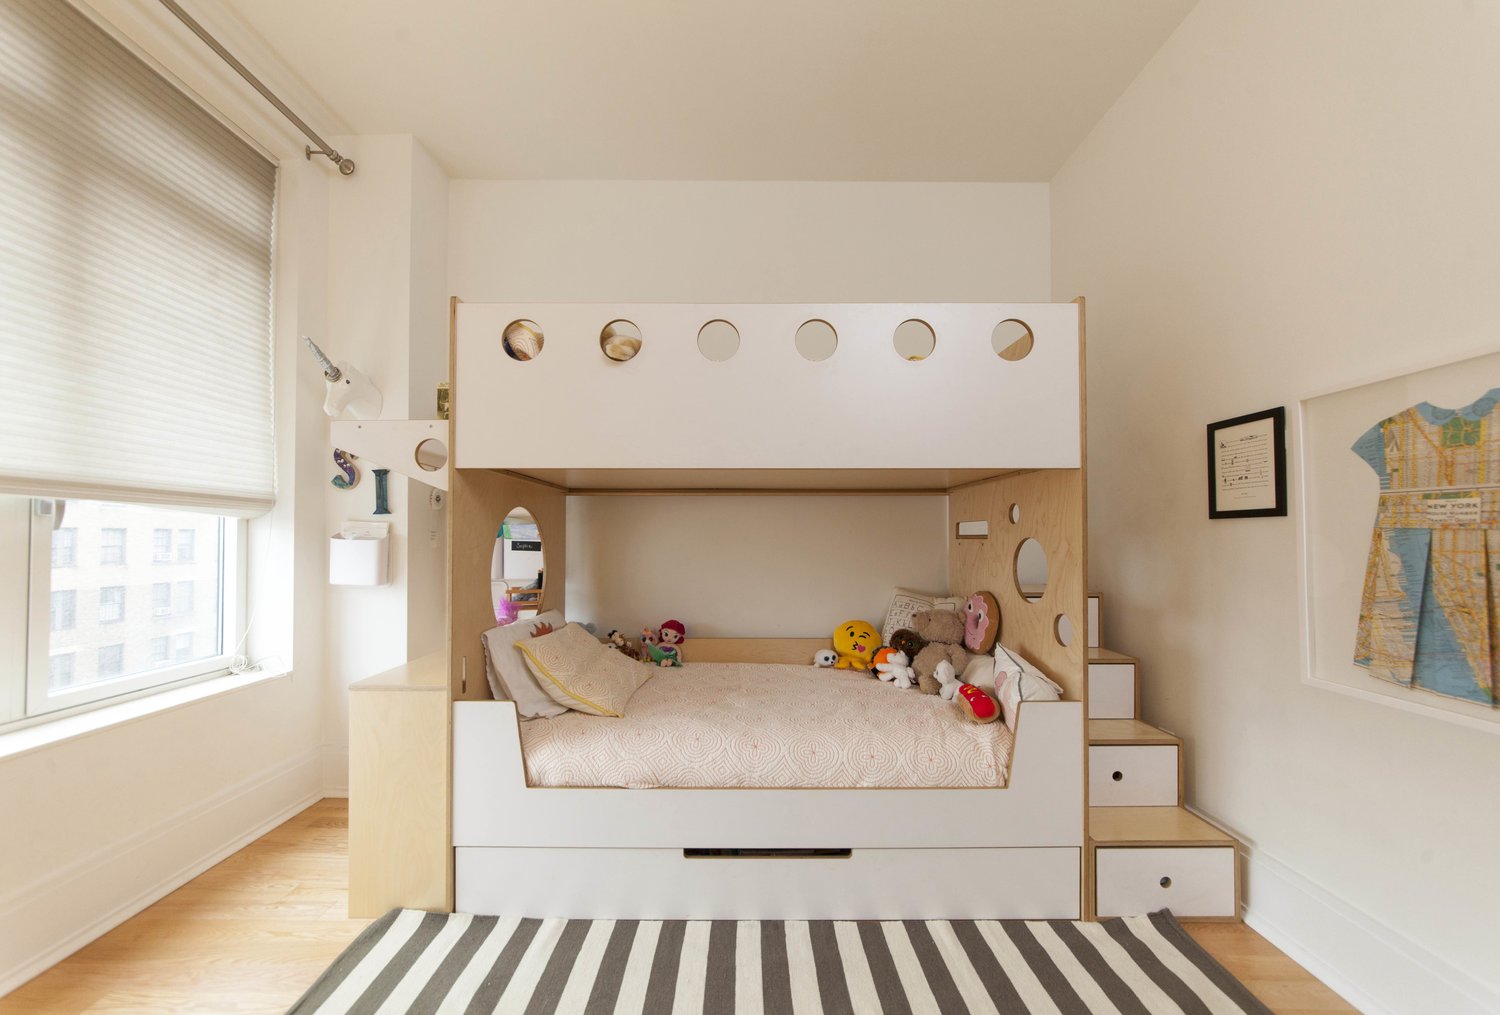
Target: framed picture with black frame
(1247,466)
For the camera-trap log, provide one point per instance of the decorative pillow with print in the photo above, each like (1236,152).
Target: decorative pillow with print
(578,672)
(906,604)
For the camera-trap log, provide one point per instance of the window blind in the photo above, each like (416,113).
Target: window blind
(135,279)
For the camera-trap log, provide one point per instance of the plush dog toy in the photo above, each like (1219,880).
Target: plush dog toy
(855,641)
(943,631)
(894,667)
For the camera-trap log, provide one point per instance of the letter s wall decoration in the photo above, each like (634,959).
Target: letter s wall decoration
(345,461)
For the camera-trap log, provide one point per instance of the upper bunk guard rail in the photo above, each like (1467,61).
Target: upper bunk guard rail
(670,407)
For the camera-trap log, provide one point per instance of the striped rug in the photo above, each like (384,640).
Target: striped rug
(408,961)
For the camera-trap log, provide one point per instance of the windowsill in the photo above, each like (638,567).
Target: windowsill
(48,734)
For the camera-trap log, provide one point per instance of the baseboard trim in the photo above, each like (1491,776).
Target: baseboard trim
(335,769)
(1368,963)
(289,787)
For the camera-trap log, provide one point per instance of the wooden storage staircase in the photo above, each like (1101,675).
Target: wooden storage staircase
(1145,850)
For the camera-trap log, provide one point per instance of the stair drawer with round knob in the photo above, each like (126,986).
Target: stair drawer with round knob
(1133,776)
(1188,880)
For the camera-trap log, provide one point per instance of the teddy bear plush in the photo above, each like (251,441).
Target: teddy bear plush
(943,633)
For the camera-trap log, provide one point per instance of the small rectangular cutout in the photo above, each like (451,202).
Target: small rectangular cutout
(767,854)
(974,530)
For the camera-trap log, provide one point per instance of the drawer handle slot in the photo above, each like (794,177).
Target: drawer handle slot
(767,854)
(1118,776)
(1165,882)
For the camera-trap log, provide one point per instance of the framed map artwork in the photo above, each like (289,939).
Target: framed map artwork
(1400,541)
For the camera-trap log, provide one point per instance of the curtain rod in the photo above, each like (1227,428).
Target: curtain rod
(345,164)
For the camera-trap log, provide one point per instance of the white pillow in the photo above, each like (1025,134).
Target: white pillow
(580,673)
(906,604)
(510,678)
(1017,680)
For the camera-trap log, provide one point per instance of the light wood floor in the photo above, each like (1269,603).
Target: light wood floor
(253,933)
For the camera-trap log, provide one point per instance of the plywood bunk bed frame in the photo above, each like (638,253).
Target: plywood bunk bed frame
(768,421)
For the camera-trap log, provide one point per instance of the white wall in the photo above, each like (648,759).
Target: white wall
(750,567)
(1291,198)
(748,242)
(387,315)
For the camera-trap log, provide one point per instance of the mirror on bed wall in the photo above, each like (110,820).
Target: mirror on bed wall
(517,567)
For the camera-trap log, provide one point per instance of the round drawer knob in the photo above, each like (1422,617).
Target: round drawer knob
(1118,776)
(1165,882)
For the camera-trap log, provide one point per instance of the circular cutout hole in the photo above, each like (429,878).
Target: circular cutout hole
(914,340)
(1062,630)
(718,340)
(516,568)
(1015,514)
(620,340)
(1165,882)
(1031,569)
(1118,776)
(1012,339)
(816,340)
(522,340)
(431,455)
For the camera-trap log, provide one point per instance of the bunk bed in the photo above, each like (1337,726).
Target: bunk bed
(764,420)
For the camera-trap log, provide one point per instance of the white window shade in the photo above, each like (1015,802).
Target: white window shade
(135,279)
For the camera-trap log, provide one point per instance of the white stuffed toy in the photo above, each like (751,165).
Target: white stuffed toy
(947,678)
(895,667)
(824,658)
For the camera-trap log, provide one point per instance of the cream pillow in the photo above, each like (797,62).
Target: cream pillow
(906,604)
(510,677)
(1017,680)
(579,673)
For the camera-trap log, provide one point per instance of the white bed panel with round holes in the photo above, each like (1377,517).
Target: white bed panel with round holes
(963,406)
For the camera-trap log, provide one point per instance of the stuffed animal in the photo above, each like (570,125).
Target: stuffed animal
(981,623)
(894,667)
(976,704)
(943,631)
(906,642)
(855,641)
(824,658)
(652,652)
(615,640)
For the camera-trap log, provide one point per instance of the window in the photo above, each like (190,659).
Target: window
(111,661)
(65,548)
(64,610)
(111,547)
(112,604)
(60,670)
(136,239)
(77,655)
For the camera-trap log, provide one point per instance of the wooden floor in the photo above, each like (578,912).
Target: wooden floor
(253,933)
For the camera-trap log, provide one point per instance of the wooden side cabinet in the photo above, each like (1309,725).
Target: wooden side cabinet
(399,848)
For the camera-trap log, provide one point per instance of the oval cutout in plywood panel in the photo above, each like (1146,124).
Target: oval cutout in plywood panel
(914,340)
(1015,514)
(620,340)
(517,567)
(1062,630)
(1030,569)
(718,340)
(816,340)
(522,340)
(1012,339)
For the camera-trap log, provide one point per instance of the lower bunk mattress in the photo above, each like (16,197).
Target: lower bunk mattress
(764,726)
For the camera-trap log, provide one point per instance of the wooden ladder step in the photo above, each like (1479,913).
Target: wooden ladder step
(1128,733)
(1145,858)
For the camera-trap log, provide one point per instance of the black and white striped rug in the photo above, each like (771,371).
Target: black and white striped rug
(408,961)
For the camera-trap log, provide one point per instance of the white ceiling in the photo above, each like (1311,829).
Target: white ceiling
(996,90)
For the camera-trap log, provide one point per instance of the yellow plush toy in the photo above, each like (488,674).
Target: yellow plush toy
(855,642)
